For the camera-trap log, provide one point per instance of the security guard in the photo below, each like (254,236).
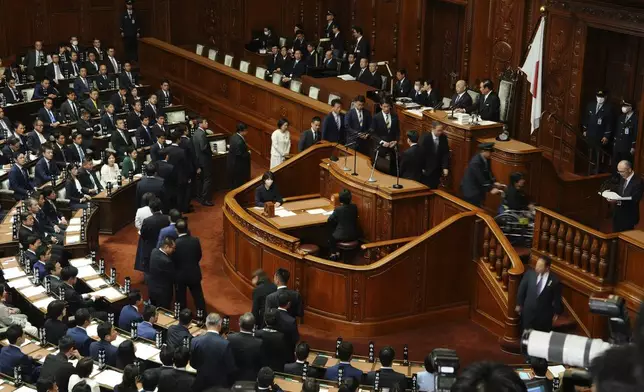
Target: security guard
(598,124)
(130,32)
(479,179)
(625,135)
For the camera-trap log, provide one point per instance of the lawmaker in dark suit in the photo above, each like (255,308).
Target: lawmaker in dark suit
(275,353)
(280,279)
(625,135)
(286,323)
(164,95)
(539,297)
(135,118)
(345,352)
(386,128)
(212,357)
(329,64)
(403,86)
(177,379)
(93,105)
(364,76)
(121,140)
(479,179)
(108,119)
(361,49)
(626,213)
(19,181)
(489,102)
(127,78)
(310,136)
(412,160)
(598,122)
(150,183)
(187,257)
(297,368)
(357,121)
(12,356)
(388,377)
(130,312)
(178,333)
(46,168)
(203,160)
(69,110)
(103,81)
(106,334)
(263,287)
(436,151)
(337,41)
(343,223)
(333,124)
(417,94)
(461,100)
(238,160)
(55,328)
(268,191)
(161,273)
(58,367)
(350,67)
(432,96)
(11,92)
(82,85)
(246,348)
(150,229)
(35,58)
(119,100)
(79,332)
(296,69)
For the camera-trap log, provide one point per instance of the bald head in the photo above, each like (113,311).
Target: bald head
(625,169)
(460,86)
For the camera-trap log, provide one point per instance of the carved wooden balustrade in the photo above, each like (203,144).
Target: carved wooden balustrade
(377,250)
(575,247)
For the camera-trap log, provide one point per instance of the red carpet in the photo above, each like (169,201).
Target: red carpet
(471,342)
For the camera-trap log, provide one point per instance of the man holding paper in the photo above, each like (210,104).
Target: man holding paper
(626,212)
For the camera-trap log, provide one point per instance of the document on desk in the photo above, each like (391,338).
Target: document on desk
(316,211)
(109,293)
(109,378)
(86,271)
(73,229)
(145,351)
(609,195)
(346,77)
(20,283)
(72,239)
(95,284)
(32,291)
(119,339)
(12,273)
(284,213)
(42,304)
(80,262)
(74,221)
(327,213)
(24,389)
(92,329)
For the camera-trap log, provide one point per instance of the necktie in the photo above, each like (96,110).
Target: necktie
(435,144)
(47,163)
(75,69)
(458,98)
(387,122)
(313,135)
(541,282)
(73,109)
(115,65)
(129,76)
(94,102)
(37,59)
(361,72)
(84,81)
(360,118)
(337,121)
(81,155)
(599,106)
(51,116)
(13,92)
(62,151)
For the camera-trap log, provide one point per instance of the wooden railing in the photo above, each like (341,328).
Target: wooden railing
(377,250)
(575,247)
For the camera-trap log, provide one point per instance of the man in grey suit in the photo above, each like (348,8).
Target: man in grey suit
(69,109)
(539,297)
(310,136)
(203,160)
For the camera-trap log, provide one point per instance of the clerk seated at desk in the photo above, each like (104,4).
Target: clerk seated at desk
(344,224)
(268,191)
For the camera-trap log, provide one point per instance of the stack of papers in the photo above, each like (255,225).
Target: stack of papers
(20,283)
(609,195)
(42,304)
(86,271)
(109,378)
(95,284)
(117,342)
(32,291)
(80,262)
(145,351)
(74,221)
(72,239)
(327,213)
(92,329)
(109,293)
(73,229)
(12,273)
(284,213)
(27,389)
(316,211)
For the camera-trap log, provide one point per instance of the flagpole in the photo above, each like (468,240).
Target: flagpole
(543,12)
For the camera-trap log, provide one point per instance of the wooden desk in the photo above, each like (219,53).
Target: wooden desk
(82,248)
(116,210)
(463,142)
(302,218)
(347,90)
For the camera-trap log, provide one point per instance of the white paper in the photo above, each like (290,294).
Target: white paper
(109,378)
(284,213)
(92,329)
(12,273)
(96,283)
(95,371)
(556,370)
(80,262)
(86,271)
(609,195)
(145,351)
(74,221)
(109,292)
(316,211)
(327,213)
(73,229)
(27,389)
(119,339)
(346,77)
(72,239)
(31,291)
(42,304)
(20,283)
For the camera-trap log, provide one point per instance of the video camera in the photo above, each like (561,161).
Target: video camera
(446,364)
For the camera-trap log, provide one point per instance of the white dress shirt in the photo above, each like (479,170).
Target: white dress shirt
(109,174)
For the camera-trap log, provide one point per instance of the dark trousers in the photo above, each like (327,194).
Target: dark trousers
(195,290)
(131,46)
(161,297)
(183,197)
(205,184)
(433,179)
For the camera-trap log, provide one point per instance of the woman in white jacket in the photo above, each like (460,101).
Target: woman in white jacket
(280,143)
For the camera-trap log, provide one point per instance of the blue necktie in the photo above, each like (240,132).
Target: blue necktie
(51,116)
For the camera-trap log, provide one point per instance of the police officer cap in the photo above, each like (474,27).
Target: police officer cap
(601,93)
(330,13)
(129,2)
(624,103)
(486,146)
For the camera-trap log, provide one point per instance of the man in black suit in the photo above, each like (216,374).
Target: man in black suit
(310,136)
(87,177)
(69,110)
(19,133)
(54,70)
(76,151)
(149,183)
(376,77)
(188,272)
(461,100)
(299,43)
(361,48)
(35,58)
(311,57)
(151,109)
(145,137)
(11,92)
(539,297)
(111,62)
(6,128)
(275,352)
(433,98)
(177,379)
(96,50)
(330,23)
(297,368)
(273,59)
(333,124)
(357,123)
(350,67)
(74,299)
(47,116)
(36,138)
(73,66)
(418,95)
(436,150)
(178,333)
(280,279)
(108,119)
(364,76)
(286,323)
(182,170)
(164,95)
(479,179)
(238,160)
(412,160)
(296,69)
(150,229)
(403,86)
(119,100)
(103,81)
(489,102)
(160,127)
(58,367)
(203,161)
(127,78)
(386,129)
(626,213)
(625,135)
(135,116)
(130,31)
(168,173)
(121,139)
(337,42)
(388,377)
(91,65)
(246,348)
(598,122)
(263,287)
(212,357)
(49,208)
(161,274)
(329,64)
(93,104)
(46,168)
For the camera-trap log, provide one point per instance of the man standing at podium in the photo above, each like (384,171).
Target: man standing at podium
(626,213)
(478,179)
(386,129)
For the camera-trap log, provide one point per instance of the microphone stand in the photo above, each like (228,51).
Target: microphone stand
(355,161)
(345,168)
(373,168)
(397,184)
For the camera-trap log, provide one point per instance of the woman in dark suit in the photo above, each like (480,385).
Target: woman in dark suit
(343,223)
(130,379)
(55,328)
(268,191)
(74,189)
(125,354)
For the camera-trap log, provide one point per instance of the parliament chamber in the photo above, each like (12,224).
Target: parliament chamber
(430,270)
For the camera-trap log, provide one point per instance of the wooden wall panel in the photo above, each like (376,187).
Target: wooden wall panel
(402,297)
(248,258)
(324,288)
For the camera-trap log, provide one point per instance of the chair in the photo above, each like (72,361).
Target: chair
(295,86)
(199,50)
(228,60)
(447,102)
(309,249)
(507,93)
(347,248)
(260,72)
(332,97)
(212,54)
(314,92)
(243,66)
(277,78)
(475,97)
(282,41)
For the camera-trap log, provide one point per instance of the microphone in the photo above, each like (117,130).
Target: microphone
(325,40)
(379,63)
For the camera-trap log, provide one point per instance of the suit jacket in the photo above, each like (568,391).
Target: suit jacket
(150,184)
(73,69)
(307,139)
(412,163)
(186,145)
(176,335)
(164,100)
(295,70)
(625,135)
(121,142)
(260,292)
(44,173)
(168,173)
(347,371)
(103,82)
(110,66)
(92,68)
(171,380)
(353,127)
(465,102)
(538,309)
(297,369)
(403,88)
(365,77)
(85,177)
(74,300)
(14,96)
(388,378)
(134,120)
(61,155)
(110,351)
(247,351)
(273,62)
(127,316)
(213,359)
(30,60)
(149,233)
(338,44)
(152,111)
(50,211)
(344,223)
(145,137)
(478,180)
(72,193)
(42,93)
(350,69)
(99,53)
(108,123)
(379,127)
(178,160)
(126,81)
(127,165)
(436,157)
(94,108)
(82,88)
(287,325)
(11,357)
(362,49)
(296,309)
(238,161)
(420,97)
(158,130)
(187,257)
(202,149)
(120,103)
(330,65)
(490,108)
(81,340)
(275,353)
(43,116)
(20,182)
(161,272)
(55,329)
(330,130)
(57,367)
(145,330)
(598,124)
(67,111)
(50,72)
(626,214)
(433,98)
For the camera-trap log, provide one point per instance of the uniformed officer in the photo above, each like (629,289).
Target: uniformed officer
(598,124)
(479,179)
(625,135)
(130,32)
